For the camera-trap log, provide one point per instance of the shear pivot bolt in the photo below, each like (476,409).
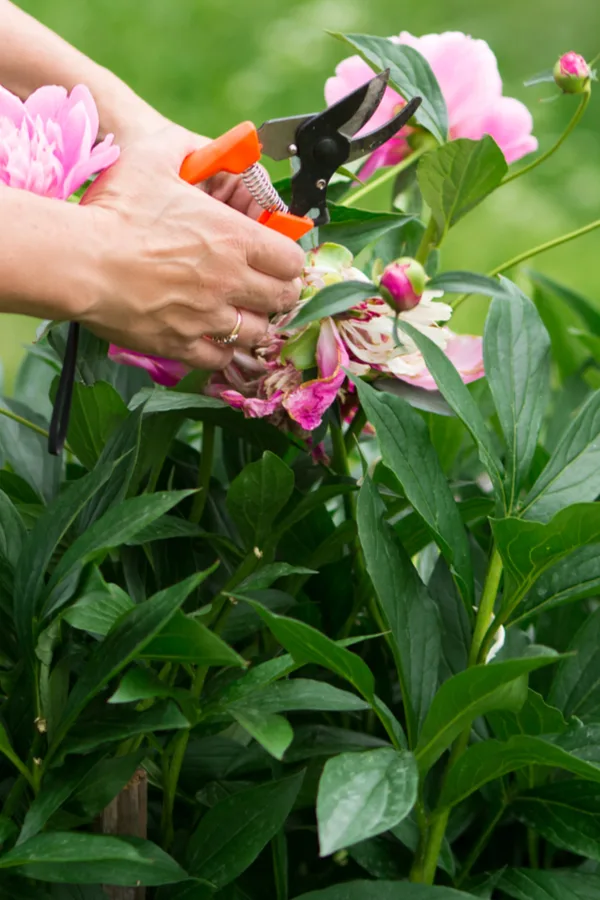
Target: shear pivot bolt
(292,149)
(321,184)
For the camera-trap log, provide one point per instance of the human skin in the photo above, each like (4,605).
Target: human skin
(145,261)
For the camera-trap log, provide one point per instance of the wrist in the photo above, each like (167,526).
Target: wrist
(122,112)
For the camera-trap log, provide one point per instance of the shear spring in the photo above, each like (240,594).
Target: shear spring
(260,188)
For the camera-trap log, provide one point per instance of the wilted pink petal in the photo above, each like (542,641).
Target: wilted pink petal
(465,351)
(253,407)
(47,143)
(167,372)
(309,402)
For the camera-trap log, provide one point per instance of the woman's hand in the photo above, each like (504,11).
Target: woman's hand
(175,264)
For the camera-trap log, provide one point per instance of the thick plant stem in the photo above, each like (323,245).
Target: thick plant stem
(386,176)
(544,156)
(427,242)
(485,612)
(204,471)
(340,464)
(356,426)
(480,845)
(425,866)
(31,425)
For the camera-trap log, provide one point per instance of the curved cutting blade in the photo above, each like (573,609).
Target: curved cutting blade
(370,142)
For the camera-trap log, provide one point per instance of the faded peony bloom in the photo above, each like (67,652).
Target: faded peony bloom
(402,284)
(467,72)
(295,375)
(47,142)
(572,73)
(167,372)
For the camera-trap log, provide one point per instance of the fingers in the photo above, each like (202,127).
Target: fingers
(272,253)
(263,294)
(252,330)
(204,354)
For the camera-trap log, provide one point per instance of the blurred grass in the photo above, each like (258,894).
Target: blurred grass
(212,63)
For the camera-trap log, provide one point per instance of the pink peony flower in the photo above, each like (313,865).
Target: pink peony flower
(465,351)
(467,72)
(402,284)
(167,372)
(47,142)
(572,73)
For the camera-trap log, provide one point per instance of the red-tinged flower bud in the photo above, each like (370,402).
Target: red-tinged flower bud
(402,284)
(572,73)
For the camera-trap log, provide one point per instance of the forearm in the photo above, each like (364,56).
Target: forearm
(49,256)
(32,55)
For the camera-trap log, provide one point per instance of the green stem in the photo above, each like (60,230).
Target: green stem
(535,251)
(542,248)
(485,612)
(340,464)
(533,847)
(204,471)
(540,159)
(31,425)
(172,763)
(386,176)
(355,429)
(424,869)
(480,845)
(427,242)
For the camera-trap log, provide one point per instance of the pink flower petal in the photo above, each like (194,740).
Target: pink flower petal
(253,407)
(309,402)
(465,351)
(167,372)
(102,157)
(47,102)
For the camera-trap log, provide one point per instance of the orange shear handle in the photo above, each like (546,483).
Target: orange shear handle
(234,152)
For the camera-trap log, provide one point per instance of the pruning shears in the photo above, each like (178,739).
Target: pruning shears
(321,143)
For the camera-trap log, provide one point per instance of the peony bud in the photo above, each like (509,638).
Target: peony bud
(572,73)
(402,284)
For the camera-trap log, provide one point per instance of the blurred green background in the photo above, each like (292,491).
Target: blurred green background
(209,64)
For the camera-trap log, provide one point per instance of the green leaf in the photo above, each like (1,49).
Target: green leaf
(12,530)
(130,635)
(42,542)
(27,451)
(470,694)
(573,577)
(331,300)
(117,724)
(576,685)
(155,400)
(408,610)
(104,781)
(386,890)
(458,397)
(407,451)
(6,749)
(185,640)
(584,308)
(93,859)
(550,884)
(363,794)
(410,75)
(165,528)
(516,350)
(144,684)
(458,176)
(299,694)
(567,814)
(258,495)
(536,717)
(56,789)
(307,645)
(233,833)
(573,471)
(471,283)
(272,732)
(95,412)
(99,607)
(121,449)
(355,229)
(116,527)
(267,575)
(487,760)
(529,549)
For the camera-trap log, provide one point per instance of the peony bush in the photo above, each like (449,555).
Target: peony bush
(337,604)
